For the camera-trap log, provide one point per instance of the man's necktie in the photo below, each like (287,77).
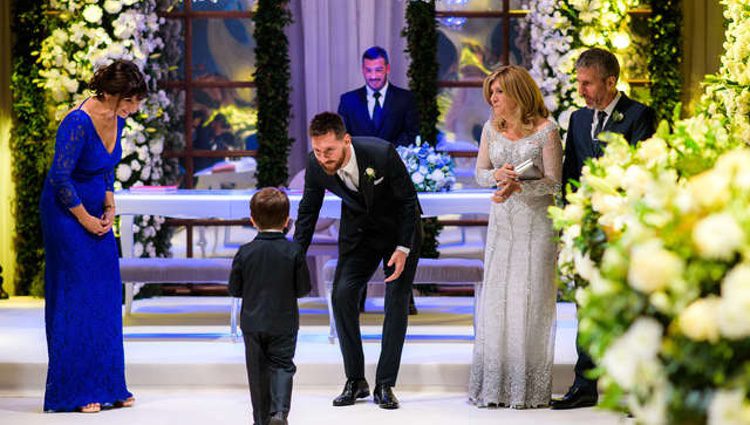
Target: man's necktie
(600,123)
(348,181)
(377,112)
(599,126)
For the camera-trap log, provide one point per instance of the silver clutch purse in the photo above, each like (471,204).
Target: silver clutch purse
(528,171)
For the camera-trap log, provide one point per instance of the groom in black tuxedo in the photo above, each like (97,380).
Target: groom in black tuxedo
(607,110)
(380,221)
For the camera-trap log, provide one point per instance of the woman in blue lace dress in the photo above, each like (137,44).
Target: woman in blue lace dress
(83,290)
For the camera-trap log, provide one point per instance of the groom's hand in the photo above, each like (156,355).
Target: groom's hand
(398,260)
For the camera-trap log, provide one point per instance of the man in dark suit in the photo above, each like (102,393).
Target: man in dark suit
(380,221)
(269,274)
(608,110)
(379,108)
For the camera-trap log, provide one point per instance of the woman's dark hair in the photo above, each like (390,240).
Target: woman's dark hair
(120,78)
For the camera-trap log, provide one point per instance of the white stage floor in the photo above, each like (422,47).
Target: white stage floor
(184,367)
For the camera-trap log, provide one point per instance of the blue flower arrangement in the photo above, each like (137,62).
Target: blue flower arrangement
(430,171)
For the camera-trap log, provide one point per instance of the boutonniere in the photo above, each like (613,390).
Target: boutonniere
(370,173)
(617,116)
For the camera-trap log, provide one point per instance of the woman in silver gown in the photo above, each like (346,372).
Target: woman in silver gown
(515,306)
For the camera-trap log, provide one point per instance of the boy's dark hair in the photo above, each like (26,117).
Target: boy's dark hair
(375,52)
(326,122)
(602,60)
(269,208)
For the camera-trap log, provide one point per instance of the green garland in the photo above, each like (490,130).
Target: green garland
(421,45)
(30,145)
(272,77)
(664,64)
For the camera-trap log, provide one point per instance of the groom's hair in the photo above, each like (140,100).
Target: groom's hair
(601,59)
(326,122)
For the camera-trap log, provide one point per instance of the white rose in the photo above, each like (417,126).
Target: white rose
(112,6)
(710,189)
(573,213)
(92,13)
(123,173)
(417,178)
(585,267)
(718,236)
(734,319)
(653,268)
(700,320)
(634,352)
(137,249)
(635,181)
(437,176)
(605,204)
(729,407)
(70,84)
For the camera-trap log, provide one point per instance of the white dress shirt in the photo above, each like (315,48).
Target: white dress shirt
(371,98)
(349,173)
(608,110)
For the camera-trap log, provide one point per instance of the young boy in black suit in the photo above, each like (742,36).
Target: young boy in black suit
(269,274)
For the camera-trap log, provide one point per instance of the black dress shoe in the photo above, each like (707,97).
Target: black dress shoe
(384,397)
(279,418)
(353,389)
(575,398)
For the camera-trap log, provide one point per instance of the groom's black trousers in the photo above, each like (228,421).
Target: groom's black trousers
(353,271)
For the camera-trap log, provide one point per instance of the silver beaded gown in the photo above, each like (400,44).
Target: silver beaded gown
(515,306)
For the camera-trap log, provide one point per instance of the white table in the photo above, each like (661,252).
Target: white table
(235,204)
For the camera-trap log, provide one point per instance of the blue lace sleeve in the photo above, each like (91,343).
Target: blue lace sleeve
(109,180)
(71,136)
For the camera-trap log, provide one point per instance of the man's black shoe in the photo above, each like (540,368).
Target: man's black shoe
(575,398)
(353,389)
(279,418)
(384,397)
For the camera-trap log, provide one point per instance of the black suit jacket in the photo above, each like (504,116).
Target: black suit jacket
(269,274)
(400,117)
(386,216)
(638,123)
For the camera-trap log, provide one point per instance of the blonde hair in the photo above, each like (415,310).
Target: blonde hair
(517,84)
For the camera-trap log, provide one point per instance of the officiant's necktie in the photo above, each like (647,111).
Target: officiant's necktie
(601,117)
(377,112)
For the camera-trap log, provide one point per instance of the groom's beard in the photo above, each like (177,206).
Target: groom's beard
(330,167)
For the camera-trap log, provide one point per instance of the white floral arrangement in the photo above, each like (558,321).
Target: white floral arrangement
(83,43)
(665,313)
(559,32)
(430,171)
(727,93)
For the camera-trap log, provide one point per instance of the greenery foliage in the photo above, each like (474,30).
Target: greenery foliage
(664,64)
(272,77)
(30,145)
(421,45)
